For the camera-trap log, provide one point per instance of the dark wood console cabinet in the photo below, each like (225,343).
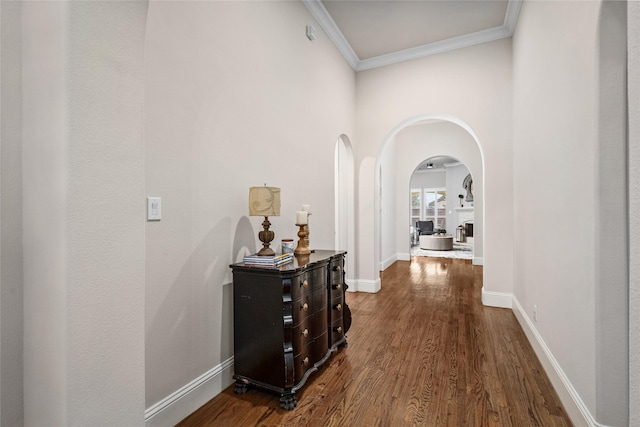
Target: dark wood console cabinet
(288,321)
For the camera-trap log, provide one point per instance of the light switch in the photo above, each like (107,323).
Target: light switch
(154,208)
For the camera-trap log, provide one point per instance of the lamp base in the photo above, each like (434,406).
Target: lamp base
(266,252)
(266,236)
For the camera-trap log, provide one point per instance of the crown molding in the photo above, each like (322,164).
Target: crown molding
(511,16)
(325,21)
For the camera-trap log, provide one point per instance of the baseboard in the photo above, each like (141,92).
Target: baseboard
(478,261)
(370,286)
(404,257)
(573,404)
(387,262)
(178,405)
(496,299)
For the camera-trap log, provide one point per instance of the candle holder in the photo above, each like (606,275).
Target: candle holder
(302,248)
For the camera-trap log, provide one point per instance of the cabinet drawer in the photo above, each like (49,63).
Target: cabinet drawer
(336,310)
(336,330)
(319,300)
(336,268)
(302,335)
(301,309)
(319,347)
(310,355)
(300,287)
(301,363)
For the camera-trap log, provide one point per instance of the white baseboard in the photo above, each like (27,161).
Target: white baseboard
(387,262)
(370,286)
(496,299)
(404,257)
(573,404)
(478,261)
(181,403)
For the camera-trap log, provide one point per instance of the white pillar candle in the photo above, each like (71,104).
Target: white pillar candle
(306,208)
(301,217)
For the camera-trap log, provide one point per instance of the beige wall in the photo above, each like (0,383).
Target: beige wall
(633,49)
(138,103)
(11,275)
(83,212)
(235,96)
(570,136)
(472,87)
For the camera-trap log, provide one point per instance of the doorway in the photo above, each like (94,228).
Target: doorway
(441,209)
(344,202)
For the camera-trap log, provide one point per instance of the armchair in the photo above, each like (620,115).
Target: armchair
(424,228)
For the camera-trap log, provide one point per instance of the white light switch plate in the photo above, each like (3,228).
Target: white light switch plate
(154,208)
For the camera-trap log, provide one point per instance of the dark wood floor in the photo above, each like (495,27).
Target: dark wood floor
(422,352)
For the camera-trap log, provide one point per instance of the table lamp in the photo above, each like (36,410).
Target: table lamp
(265,201)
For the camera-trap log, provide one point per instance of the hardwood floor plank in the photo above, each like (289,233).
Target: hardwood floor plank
(423,351)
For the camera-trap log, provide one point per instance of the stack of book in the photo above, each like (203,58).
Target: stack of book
(276,260)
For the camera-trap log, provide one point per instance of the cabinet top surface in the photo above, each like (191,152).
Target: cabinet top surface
(300,262)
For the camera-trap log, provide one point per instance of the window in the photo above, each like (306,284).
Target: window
(435,207)
(416,205)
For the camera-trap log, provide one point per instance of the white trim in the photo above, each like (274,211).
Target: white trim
(573,404)
(388,262)
(435,48)
(511,15)
(496,299)
(478,260)
(329,26)
(326,22)
(404,256)
(179,404)
(370,286)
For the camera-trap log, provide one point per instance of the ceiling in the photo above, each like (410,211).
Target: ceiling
(437,163)
(374,33)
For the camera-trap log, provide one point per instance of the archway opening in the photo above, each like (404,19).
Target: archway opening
(404,149)
(441,209)
(344,202)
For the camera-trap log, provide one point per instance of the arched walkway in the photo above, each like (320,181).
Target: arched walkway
(404,148)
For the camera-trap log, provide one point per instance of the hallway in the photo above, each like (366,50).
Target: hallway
(422,352)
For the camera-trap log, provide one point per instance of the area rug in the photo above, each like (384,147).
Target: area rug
(458,251)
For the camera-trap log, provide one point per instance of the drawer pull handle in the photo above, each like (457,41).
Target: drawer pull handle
(339,329)
(337,268)
(305,361)
(305,284)
(305,333)
(338,286)
(339,307)
(305,306)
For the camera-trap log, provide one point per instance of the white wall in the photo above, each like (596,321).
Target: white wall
(455,178)
(236,96)
(434,178)
(388,207)
(472,85)
(11,292)
(633,49)
(83,212)
(562,144)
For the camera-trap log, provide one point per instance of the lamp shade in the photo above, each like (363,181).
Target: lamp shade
(264,201)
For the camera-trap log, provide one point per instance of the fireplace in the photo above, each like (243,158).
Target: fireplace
(468,229)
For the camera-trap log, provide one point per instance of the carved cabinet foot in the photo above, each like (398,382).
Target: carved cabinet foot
(240,387)
(288,402)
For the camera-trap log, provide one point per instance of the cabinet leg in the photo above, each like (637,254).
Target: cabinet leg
(240,387)
(288,402)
